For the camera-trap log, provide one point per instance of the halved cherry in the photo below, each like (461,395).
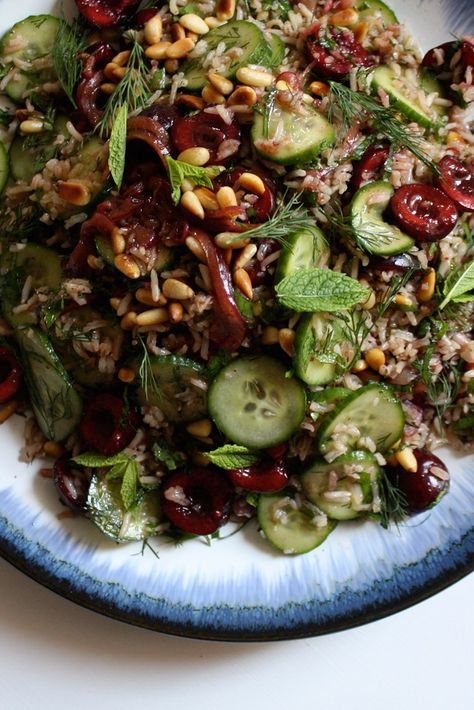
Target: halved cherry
(108,425)
(399,263)
(334,52)
(424,488)
(144,16)
(440,59)
(206,130)
(257,268)
(10,375)
(107,13)
(267,477)
(456,179)
(72,484)
(197,501)
(264,205)
(423,212)
(369,167)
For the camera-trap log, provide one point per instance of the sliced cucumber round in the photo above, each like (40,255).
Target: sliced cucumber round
(355,496)
(4,167)
(372,233)
(369,9)
(330,395)
(42,264)
(255,404)
(304,249)
(237,33)
(288,528)
(317,333)
(27,161)
(372,411)
(291,138)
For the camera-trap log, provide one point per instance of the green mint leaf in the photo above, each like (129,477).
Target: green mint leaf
(232,456)
(117,471)
(118,145)
(458,283)
(92,460)
(129,487)
(310,290)
(162,453)
(179,171)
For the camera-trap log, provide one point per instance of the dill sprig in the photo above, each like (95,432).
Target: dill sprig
(265,108)
(70,41)
(288,217)
(354,105)
(394,505)
(145,373)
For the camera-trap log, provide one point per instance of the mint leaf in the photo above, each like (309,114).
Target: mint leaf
(129,487)
(162,453)
(310,290)
(92,460)
(179,171)
(458,283)
(118,145)
(232,456)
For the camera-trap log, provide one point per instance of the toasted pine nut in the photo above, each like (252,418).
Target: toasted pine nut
(226,197)
(230,240)
(282,86)
(202,428)
(143,295)
(73,192)
(375,358)
(454,137)
(194,23)
(192,35)
(225,9)
(242,96)
(158,50)
(402,300)
(127,265)
(360,31)
(154,316)
(194,102)
(129,321)
(407,460)
(196,249)
(7,410)
(344,18)
(119,73)
(286,338)
(220,83)
(207,198)
(108,88)
(211,96)
(180,48)
(227,256)
(114,302)
(243,282)
(187,185)
(254,77)
(153,30)
(177,32)
(118,241)
(177,290)
(195,156)
(31,125)
(122,58)
(252,183)
(95,262)
(270,335)
(319,88)
(212,22)
(359,366)
(199,458)
(190,202)
(370,302)
(52,448)
(426,288)
(175,312)
(245,256)
(206,277)
(171,66)
(126,375)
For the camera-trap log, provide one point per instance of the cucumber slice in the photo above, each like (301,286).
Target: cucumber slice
(17,87)
(288,528)
(315,482)
(385,78)
(254,404)
(277,47)
(368,9)
(330,395)
(304,249)
(373,410)
(106,510)
(4,167)
(237,33)
(27,161)
(164,259)
(301,136)
(373,234)
(316,332)
(56,404)
(179,382)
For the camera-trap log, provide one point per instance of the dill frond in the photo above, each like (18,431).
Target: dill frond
(69,42)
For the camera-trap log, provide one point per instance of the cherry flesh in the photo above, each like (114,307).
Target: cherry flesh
(72,484)
(206,130)
(107,425)
(423,212)
(456,179)
(107,13)
(334,52)
(369,167)
(10,375)
(267,477)
(422,489)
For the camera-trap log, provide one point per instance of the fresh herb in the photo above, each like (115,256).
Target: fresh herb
(118,145)
(69,42)
(265,107)
(179,171)
(288,218)
(278,8)
(217,362)
(162,453)
(457,285)
(394,505)
(232,456)
(121,466)
(310,290)
(147,376)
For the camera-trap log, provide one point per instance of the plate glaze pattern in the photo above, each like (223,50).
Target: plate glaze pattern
(238,589)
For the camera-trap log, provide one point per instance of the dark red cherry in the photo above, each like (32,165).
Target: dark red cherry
(108,425)
(334,52)
(427,486)
(107,13)
(197,501)
(10,375)
(423,212)
(399,263)
(371,164)
(257,268)
(439,59)
(206,130)
(267,477)
(144,16)
(456,179)
(72,484)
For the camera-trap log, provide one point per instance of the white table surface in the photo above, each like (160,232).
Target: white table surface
(56,655)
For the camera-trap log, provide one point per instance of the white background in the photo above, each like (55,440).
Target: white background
(56,655)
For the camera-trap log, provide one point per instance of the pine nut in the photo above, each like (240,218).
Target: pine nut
(211,96)
(122,58)
(403,301)
(286,339)
(171,66)
(118,241)
(270,335)
(114,302)
(360,31)
(52,448)
(245,256)
(226,197)
(154,316)
(127,265)
(108,88)
(454,137)
(220,83)
(187,185)
(371,299)
(207,198)
(190,202)
(196,249)
(8,410)
(254,77)
(253,183)
(206,277)
(195,156)
(407,460)
(126,375)
(180,48)
(243,282)
(95,262)
(242,96)
(230,240)
(319,88)
(193,23)
(227,253)
(177,32)
(282,86)
(153,30)
(202,428)
(359,366)
(192,35)
(427,286)
(190,101)
(177,290)
(200,459)
(73,192)
(212,22)
(175,312)
(344,18)
(129,321)
(109,70)
(31,125)
(225,9)
(158,50)
(143,295)
(375,358)
(119,73)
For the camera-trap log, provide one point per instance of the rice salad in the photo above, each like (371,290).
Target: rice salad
(237,264)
